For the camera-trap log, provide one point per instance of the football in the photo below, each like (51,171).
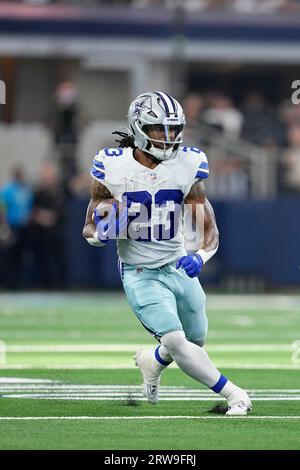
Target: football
(104,207)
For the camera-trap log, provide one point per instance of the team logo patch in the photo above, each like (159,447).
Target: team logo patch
(140,106)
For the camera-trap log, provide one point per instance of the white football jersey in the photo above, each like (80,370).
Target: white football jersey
(155,200)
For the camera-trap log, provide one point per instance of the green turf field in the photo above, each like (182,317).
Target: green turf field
(68,381)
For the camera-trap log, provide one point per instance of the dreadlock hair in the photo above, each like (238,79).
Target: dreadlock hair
(126,141)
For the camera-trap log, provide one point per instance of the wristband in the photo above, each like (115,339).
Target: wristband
(206,255)
(94,241)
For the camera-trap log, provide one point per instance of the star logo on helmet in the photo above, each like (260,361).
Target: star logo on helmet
(139,107)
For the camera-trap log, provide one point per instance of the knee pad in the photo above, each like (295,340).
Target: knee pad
(173,341)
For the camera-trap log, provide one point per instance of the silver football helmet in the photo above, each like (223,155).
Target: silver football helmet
(156,121)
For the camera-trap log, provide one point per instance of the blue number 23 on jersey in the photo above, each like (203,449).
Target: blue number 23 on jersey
(153,217)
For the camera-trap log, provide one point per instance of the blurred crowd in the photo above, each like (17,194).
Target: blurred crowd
(275,129)
(32,238)
(33,214)
(235,6)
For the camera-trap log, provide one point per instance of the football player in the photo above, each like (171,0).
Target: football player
(149,179)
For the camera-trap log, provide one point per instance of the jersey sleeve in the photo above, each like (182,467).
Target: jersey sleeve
(195,167)
(103,170)
(98,168)
(202,170)
(108,168)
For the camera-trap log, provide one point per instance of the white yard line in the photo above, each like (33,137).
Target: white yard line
(63,391)
(74,348)
(258,332)
(60,386)
(25,299)
(20,380)
(52,387)
(119,418)
(220,364)
(251,301)
(87,397)
(232,334)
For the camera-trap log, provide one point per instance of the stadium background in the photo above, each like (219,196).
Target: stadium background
(70,69)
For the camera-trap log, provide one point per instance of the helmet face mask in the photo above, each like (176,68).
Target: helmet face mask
(157,121)
(163,134)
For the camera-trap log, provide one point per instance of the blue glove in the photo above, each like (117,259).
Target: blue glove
(191,264)
(109,228)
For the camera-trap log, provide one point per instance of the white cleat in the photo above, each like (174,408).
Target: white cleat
(151,371)
(239,404)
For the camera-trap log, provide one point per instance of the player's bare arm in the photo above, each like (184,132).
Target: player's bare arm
(98,194)
(203,216)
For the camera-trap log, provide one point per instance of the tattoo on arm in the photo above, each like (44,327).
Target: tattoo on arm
(99,193)
(196,194)
(211,232)
(203,216)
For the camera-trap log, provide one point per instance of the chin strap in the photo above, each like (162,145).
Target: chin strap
(168,157)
